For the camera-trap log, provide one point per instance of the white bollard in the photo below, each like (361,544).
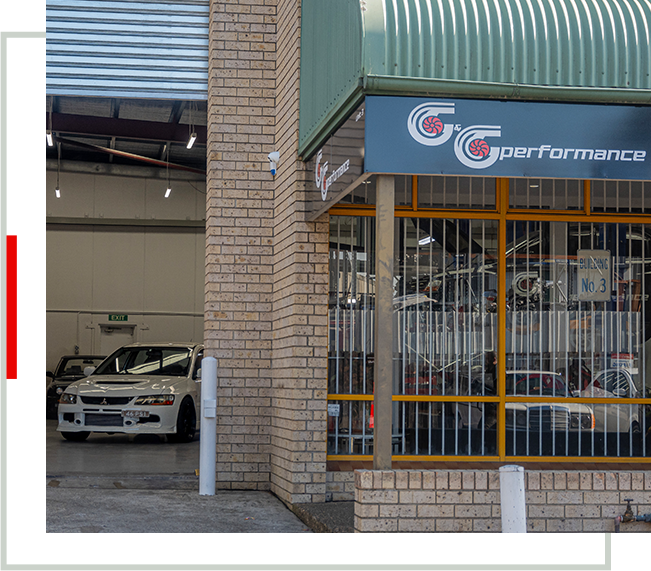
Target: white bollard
(208,442)
(514,515)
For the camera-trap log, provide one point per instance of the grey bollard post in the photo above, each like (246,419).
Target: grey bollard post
(208,442)
(512,500)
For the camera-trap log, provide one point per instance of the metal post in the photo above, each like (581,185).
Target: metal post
(514,517)
(382,397)
(208,443)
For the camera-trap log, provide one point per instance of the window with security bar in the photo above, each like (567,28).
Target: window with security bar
(576,333)
(577,329)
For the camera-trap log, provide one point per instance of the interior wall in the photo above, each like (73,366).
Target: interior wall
(102,261)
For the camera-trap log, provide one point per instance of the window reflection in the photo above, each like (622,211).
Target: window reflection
(563,347)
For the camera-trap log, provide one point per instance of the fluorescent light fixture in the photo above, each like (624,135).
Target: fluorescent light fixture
(425,241)
(193,138)
(50,140)
(57,192)
(168,192)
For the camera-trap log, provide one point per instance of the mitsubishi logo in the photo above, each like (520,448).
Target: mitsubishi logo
(104,401)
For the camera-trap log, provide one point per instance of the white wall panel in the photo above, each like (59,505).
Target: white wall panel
(181,204)
(154,275)
(70,268)
(119,197)
(170,270)
(77,195)
(118,269)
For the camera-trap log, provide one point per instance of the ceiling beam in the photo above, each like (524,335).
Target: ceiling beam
(124,128)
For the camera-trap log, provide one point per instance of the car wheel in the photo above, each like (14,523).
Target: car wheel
(186,423)
(75,436)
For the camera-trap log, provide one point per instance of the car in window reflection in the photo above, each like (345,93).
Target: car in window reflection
(616,384)
(69,369)
(541,416)
(532,416)
(139,389)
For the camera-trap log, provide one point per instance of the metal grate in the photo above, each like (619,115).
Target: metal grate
(105,400)
(103,420)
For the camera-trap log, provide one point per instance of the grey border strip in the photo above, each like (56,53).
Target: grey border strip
(399,549)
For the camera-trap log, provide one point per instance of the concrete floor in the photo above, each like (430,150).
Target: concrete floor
(143,484)
(119,454)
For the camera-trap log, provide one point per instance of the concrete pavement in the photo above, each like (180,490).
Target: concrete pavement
(126,484)
(136,510)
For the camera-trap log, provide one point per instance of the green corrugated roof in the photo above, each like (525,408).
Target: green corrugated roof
(562,50)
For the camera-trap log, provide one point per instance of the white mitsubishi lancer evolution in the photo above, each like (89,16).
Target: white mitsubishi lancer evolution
(141,388)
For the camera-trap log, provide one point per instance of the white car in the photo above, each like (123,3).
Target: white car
(532,416)
(615,384)
(540,416)
(151,388)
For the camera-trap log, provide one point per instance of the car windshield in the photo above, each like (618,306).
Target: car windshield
(612,382)
(76,365)
(532,384)
(173,361)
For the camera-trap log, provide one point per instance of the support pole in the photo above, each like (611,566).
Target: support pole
(383,393)
(208,442)
(514,516)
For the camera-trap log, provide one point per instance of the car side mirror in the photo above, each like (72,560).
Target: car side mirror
(197,374)
(88,371)
(49,374)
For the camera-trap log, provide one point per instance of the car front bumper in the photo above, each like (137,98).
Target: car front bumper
(159,419)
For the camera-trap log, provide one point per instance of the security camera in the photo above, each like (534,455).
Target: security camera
(274,159)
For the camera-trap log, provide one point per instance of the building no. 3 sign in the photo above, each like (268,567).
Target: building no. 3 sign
(594,275)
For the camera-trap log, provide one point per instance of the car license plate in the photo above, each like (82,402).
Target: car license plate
(135,413)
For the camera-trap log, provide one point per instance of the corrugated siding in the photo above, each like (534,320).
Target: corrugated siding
(331,55)
(578,43)
(128,49)
(555,43)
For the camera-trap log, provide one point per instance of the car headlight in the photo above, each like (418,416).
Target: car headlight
(67,398)
(155,400)
(521,417)
(584,420)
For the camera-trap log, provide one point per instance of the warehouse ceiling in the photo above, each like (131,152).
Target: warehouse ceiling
(142,132)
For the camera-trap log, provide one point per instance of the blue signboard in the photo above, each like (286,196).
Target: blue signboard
(414,135)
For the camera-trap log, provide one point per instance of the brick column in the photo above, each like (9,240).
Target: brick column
(300,299)
(239,234)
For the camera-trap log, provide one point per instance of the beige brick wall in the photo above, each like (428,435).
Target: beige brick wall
(340,486)
(239,234)
(266,269)
(300,297)
(464,500)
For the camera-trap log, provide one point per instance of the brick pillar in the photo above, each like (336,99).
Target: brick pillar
(300,298)
(266,270)
(239,235)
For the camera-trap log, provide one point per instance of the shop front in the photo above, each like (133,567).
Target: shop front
(490,257)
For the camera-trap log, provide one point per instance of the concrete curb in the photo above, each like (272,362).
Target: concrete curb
(134,482)
(331,517)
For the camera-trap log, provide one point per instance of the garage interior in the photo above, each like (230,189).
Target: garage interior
(125,262)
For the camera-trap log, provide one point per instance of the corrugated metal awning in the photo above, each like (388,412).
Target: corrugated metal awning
(552,50)
(117,48)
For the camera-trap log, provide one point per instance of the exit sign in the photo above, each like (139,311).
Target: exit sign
(118,317)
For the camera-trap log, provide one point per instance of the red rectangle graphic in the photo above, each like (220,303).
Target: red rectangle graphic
(25,307)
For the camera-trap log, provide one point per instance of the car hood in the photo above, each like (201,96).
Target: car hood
(116,385)
(576,408)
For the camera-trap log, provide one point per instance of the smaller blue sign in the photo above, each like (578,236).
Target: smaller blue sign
(413,135)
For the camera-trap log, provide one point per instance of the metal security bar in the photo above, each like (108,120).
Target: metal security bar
(620,196)
(575,362)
